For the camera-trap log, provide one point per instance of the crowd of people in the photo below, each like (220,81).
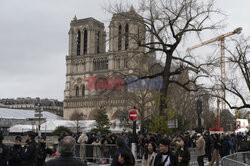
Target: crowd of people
(115,149)
(212,146)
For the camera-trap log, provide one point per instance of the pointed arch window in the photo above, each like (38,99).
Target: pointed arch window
(83,90)
(78,52)
(85,45)
(120,37)
(77,91)
(98,42)
(126,37)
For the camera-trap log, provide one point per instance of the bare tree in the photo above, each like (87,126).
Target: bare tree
(77,117)
(237,85)
(170,22)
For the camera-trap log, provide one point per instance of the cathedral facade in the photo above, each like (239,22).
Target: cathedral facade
(95,77)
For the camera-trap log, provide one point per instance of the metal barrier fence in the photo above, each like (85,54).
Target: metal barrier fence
(236,159)
(99,154)
(193,157)
(103,154)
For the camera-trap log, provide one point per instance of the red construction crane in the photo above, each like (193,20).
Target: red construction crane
(221,39)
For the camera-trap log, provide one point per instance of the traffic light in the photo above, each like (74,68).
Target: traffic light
(199,106)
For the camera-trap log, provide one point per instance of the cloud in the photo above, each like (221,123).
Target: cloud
(34,42)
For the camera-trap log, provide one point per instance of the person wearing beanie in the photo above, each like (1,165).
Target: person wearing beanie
(29,152)
(165,157)
(4,152)
(15,152)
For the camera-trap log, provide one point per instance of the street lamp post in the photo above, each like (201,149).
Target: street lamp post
(38,113)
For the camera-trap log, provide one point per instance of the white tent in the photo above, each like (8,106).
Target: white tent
(51,124)
(6,113)
(241,130)
(21,128)
(84,125)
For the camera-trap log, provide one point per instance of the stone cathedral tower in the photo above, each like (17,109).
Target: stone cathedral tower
(87,59)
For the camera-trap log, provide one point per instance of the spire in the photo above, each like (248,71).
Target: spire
(75,18)
(132,8)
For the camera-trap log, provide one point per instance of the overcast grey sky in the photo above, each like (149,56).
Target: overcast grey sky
(34,41)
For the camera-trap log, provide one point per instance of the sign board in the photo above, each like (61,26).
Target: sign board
(199,107)
(133,115)
(241,125)
(172,124)
(38,115)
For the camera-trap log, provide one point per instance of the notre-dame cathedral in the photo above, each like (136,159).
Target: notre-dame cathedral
(87,60)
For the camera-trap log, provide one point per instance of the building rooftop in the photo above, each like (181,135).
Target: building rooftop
(77,21)
(6,113)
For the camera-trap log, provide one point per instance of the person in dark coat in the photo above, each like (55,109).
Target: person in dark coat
(43,151)
(217,145)
(29,152)
(235,142)
(4,152)
(124,159)
(209,144)
(121,147)
(15,152)
(183,154)
(66,149)
(89,147)
(112,141)
(165,157)
(225,149)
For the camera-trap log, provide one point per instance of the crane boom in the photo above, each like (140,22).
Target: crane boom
(218,38)
(221,39)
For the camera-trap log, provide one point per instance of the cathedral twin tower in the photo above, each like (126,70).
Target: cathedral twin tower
(87,59)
